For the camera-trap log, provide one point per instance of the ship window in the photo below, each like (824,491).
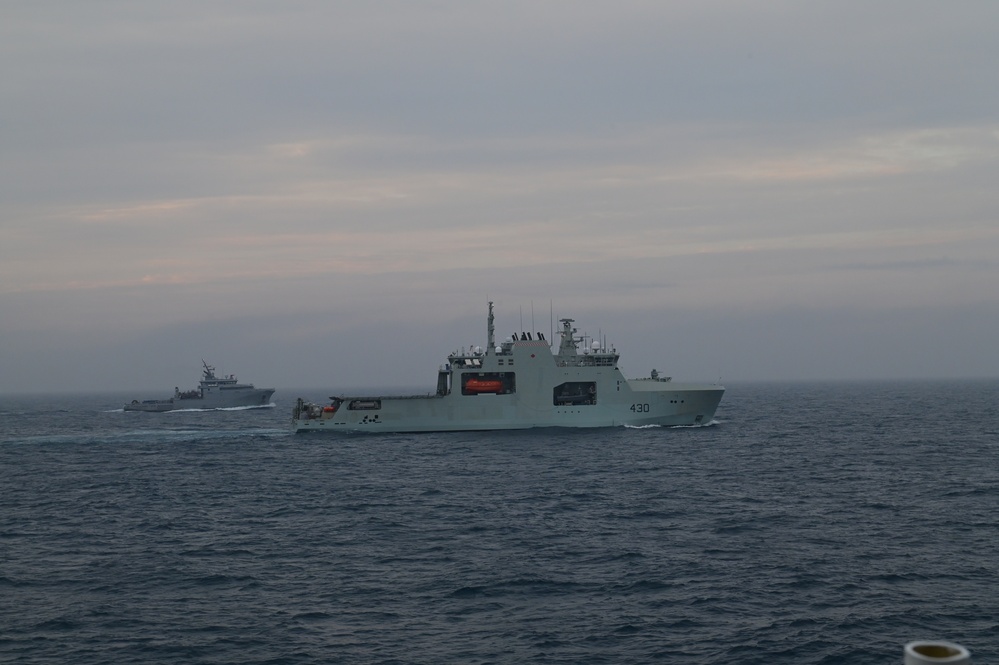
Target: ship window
(364,405)
(575,393)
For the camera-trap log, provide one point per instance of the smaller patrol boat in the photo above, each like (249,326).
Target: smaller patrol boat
(213,393)
(520,383)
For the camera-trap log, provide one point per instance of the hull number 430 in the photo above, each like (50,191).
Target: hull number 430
(640,408)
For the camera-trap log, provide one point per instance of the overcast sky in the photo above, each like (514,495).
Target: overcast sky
(327,193)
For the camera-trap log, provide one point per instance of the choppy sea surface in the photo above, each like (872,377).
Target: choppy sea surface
(810,523)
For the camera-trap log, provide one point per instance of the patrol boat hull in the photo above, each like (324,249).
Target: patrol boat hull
(212,393)
(522,384)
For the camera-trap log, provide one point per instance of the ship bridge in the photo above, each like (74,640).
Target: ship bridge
(594,355)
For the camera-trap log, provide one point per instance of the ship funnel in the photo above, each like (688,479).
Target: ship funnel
(936,652)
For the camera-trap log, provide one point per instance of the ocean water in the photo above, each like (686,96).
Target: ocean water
(810,523)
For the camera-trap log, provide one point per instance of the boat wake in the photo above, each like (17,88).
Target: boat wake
(221,408)
(154,436)
(653,426)
(224,408)
(711,423)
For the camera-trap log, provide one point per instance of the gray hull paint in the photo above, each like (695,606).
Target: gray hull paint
(519,385)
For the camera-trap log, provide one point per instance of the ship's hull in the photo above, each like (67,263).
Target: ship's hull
(675,405)
(227,399)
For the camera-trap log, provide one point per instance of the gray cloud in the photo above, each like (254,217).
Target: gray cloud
(758,191)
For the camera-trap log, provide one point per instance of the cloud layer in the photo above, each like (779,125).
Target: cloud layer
(267,178)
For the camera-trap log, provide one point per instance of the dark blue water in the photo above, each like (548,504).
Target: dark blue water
(811,524)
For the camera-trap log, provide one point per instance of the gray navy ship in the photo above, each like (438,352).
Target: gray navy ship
(212,393)
(519,384)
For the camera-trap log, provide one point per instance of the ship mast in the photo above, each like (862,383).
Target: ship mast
(491,331)
(568,345)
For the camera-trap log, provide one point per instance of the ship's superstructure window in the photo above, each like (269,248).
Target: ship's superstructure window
(364,405)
